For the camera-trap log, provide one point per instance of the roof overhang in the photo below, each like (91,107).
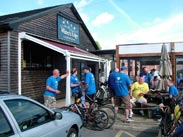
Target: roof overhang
(73,52)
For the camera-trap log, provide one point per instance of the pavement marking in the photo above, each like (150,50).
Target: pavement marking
(131,135)
(120,132)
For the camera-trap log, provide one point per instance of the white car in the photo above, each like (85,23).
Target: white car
(21,116)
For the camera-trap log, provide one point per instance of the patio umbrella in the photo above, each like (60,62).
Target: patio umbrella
(165,71)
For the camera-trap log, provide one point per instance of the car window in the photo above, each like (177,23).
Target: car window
(27,113)
(5,128)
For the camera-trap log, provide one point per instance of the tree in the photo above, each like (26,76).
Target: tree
(98,45)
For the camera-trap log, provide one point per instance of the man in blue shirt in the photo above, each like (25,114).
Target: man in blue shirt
(122,86)
(52,88)
(111,81)
(147,75)
(89,81)
(179,78)
(173,94)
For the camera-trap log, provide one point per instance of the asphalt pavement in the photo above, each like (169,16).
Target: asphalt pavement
(141,123)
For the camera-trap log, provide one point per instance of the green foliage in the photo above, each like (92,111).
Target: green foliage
(98,45)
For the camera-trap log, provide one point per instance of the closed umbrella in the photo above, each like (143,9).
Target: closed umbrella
(165,71)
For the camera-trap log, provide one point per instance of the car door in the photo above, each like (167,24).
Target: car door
(6,129)
(34,120)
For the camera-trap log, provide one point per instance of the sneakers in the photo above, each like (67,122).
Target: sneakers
(129,120)
(159,120)
(131,115)
(141,112)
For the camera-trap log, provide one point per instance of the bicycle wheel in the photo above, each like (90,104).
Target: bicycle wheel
(166,123)
(76,109)
(100,119)
(111,115)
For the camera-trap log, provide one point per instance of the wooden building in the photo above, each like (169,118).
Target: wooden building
(33,43)
(137,56)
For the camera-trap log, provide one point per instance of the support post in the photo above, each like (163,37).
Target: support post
(20,37)
(68,89)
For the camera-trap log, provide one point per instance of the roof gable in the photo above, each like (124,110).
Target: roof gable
(10,21)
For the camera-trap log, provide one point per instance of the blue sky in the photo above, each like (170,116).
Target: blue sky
(113,22)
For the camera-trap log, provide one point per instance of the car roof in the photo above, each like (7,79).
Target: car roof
(9,95)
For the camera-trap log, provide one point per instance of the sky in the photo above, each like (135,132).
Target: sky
(114,22)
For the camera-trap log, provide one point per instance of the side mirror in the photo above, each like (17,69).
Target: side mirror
(57,115)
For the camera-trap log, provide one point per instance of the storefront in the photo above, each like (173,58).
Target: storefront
(137,56)
(33,43)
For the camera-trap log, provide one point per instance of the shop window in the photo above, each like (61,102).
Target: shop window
(179,65)
(36,57)
(136,64)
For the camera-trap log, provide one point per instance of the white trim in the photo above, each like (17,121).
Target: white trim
(84,57)
(68,89)
(60,50)
(45,44)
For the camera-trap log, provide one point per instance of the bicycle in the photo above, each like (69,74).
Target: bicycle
(98,105)
(103,93)
(92,119)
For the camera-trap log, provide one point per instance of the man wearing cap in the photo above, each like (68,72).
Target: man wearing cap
(89,81)
(121,87)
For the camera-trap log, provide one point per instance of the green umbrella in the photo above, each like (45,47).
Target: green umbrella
(165,71)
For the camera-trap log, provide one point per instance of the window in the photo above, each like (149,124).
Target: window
(28,114)
(5,128)
(136,64)
(33,59)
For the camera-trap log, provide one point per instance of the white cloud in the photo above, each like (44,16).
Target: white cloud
(124,14)
(102,19)
(82,3)
(170,30)
(40,2)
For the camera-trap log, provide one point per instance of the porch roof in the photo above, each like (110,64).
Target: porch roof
(74,52)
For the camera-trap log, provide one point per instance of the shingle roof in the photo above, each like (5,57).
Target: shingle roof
(8,21)
(5,19)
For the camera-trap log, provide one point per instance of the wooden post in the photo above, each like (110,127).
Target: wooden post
(117,57)
(173,61)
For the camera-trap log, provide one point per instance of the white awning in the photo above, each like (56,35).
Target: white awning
(68,51)
(74,52)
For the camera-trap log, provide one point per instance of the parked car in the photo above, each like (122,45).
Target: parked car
(21,116)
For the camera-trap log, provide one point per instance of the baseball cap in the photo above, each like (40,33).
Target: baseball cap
(123,68)
(86,67)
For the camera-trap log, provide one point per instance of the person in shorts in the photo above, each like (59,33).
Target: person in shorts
(121,88)
(52,88)
(111,81)
(89,84)
(139,89)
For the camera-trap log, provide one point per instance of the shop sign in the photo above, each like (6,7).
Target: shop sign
(68,30)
